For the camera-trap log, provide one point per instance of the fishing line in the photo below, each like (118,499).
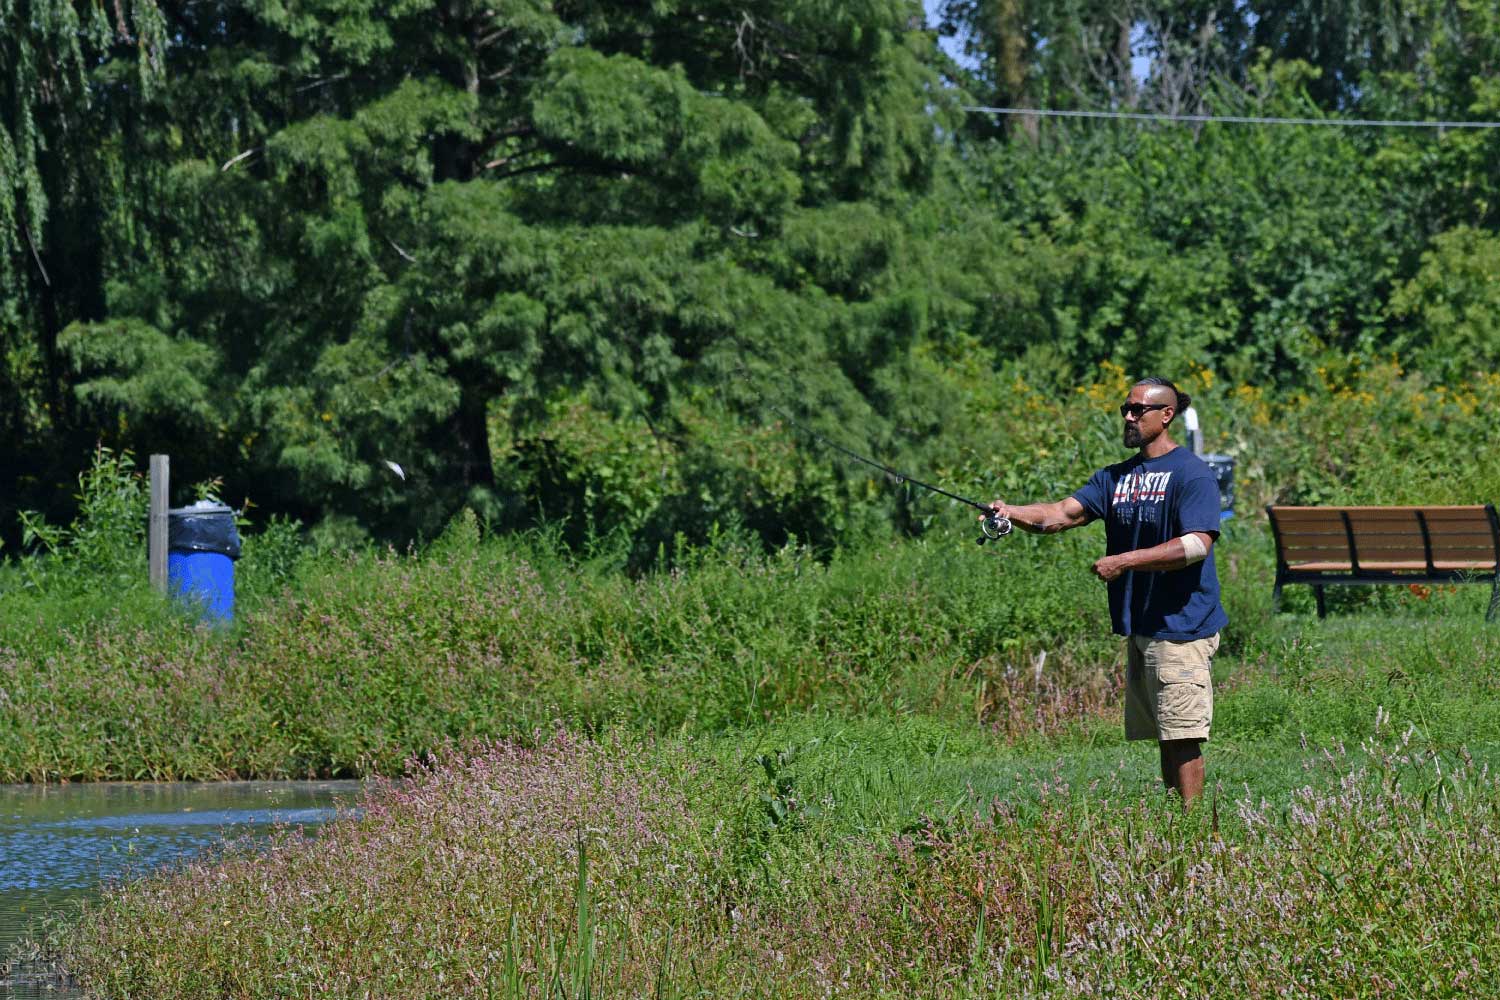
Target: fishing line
(993,525)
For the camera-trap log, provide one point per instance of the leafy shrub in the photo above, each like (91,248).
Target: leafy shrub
(104,546)
(269,558)
(1452,307)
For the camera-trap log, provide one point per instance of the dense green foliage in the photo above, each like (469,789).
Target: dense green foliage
(344,664)
(554,259)
(857,777)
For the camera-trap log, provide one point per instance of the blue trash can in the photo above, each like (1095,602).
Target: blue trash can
(202,545)
(1223,469)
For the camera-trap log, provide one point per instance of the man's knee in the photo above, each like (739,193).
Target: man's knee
(1180,752)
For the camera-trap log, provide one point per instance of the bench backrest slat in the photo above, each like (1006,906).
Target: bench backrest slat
(1388,536)
(1461,511)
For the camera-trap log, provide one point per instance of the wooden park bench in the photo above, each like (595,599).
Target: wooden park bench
(1322,546)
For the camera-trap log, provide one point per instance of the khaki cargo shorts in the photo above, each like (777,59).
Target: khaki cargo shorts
(1169,694)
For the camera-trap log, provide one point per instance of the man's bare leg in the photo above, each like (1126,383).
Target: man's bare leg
(1182,768)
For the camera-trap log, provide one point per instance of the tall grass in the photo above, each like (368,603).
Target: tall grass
(361,660)
(346,664)
(573,868)
(891,770)
(372,657)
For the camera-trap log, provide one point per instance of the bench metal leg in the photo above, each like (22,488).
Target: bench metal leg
(1276,598)
(1322,607)
(1494,600)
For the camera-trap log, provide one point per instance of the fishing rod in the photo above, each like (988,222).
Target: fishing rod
(992,525)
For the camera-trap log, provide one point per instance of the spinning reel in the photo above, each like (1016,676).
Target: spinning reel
(994,527)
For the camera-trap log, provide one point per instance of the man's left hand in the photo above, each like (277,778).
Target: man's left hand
(1110,567)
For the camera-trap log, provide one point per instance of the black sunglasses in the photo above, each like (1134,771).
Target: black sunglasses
(1139,410)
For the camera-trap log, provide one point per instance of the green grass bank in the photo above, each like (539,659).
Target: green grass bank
(349,665)
(766,775)
(893,771)
(820,857)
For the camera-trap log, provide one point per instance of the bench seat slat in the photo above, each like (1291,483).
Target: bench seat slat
(1392,566)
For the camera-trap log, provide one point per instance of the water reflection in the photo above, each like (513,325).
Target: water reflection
(59,844)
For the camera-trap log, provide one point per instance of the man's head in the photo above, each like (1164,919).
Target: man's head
(1150,408)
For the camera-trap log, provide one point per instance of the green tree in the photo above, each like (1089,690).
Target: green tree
(1450,310)
(369,224)
(578,261)
(63,68)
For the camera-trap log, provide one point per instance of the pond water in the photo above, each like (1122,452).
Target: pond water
(60,843)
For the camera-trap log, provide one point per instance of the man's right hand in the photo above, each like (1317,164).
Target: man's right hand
(1041,518)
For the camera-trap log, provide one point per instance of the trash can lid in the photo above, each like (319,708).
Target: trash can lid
(200,508)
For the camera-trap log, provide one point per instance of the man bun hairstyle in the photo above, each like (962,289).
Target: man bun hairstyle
(1183,399)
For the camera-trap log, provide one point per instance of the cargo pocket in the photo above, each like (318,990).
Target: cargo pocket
(1183,710)
(1180,663)
(1184,704)
(1173,674)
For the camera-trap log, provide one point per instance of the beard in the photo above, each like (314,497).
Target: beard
(1132,437)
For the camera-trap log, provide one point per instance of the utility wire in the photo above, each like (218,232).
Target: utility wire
(1229,119)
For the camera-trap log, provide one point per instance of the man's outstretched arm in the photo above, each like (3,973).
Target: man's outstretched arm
(1044,518)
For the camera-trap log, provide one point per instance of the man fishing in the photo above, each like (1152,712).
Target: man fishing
(1161,517)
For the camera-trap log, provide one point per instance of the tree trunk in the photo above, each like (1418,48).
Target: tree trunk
(474,439)
(1124,62)
(1011,70)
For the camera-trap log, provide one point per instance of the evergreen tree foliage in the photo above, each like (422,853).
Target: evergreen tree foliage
(64,67)
(367,225)
(578,262)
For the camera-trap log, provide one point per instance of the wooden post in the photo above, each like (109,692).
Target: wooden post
(156,541)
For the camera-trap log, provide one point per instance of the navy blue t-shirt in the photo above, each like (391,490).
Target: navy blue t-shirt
(1145,502)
